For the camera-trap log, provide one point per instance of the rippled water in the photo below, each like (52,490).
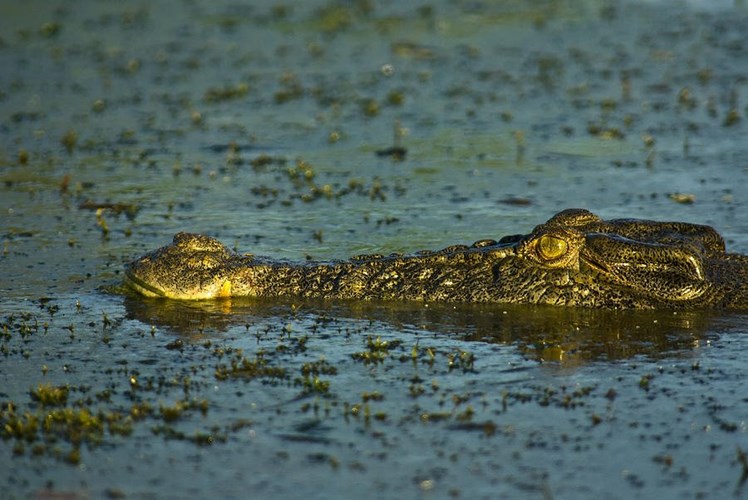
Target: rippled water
(265,126)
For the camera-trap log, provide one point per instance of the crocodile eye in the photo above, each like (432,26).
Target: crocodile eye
(550,247)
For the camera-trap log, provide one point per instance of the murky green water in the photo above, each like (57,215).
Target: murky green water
(123,123)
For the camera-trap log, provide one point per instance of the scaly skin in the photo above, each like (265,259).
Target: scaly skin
(574,259)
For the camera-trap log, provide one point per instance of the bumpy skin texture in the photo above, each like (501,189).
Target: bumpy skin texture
(574,259)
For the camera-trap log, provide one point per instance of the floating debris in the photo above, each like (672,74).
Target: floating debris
(516,201)
(685,198)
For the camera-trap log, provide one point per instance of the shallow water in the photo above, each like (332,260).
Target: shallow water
(122,124)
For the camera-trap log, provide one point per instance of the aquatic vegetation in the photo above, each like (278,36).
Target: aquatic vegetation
(174,412)
(226,93)
(312,384)
(320,367)
(47,395)
(69,140)
(377,350)
(248,369)
(43,430)
(291,89)
(464,360)
(310,381)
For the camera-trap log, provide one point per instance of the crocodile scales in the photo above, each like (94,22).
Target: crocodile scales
(573,259)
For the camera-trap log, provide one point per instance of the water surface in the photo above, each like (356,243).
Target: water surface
(266,127)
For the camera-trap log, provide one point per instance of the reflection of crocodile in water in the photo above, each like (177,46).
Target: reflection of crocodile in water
(571,335)
(574,259)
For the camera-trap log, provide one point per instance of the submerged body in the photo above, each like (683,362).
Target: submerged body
(574,259)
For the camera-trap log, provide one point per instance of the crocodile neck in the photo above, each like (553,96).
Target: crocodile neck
(455,273)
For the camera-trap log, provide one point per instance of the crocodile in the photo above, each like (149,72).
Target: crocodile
(574,259)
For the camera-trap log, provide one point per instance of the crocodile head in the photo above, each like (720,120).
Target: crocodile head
(193,267)
(576,258)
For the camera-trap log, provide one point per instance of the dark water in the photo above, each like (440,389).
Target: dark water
(267,126)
